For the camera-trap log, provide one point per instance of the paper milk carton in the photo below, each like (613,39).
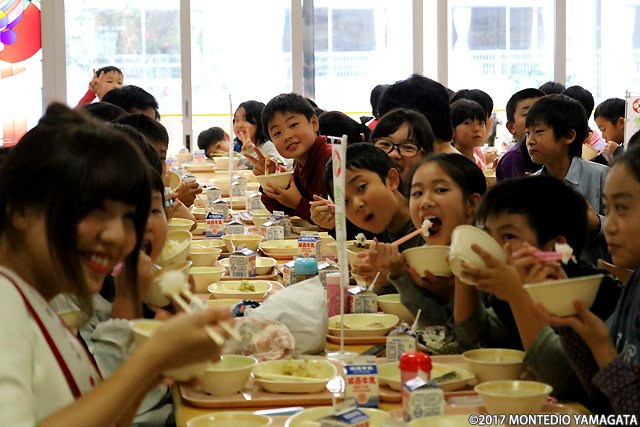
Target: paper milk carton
(198,156)
(398,344)
(361,382)
(253,201)
(351,417)
(309,245)
(272,231)
(281,219)
(213,194)
(421,398)
(242,263)
(220,206)
(234,227)
(362,301)
(287,273)
(215,224)
(238,189)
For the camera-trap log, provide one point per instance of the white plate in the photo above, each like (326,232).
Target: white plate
(363,325)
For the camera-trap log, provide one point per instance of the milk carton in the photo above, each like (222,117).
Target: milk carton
(309,245)
(221,207)
(361,378)
(242,263)
(238,189)
(398,344)
(362,301)
(287,273)
(198,156)
(325,268)
(253,201)
(272,231)
(215,224)
(213,194)
(281,219)
(421,398)
(234,227)
(351,417)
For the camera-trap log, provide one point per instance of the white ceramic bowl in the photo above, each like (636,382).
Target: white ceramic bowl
(513,397)
(207,243)
(227,303)
(294,376)
(311,417)
(260,212)
(199,213)
(251,240)
(429,258)
(389,373)
(278,180)
(557,296)
(224,184)
(493,364)
(206,166)
(363,325)
(154,295)
(264,265)
(462,238)
(143,329)
(391,304)
(280,248)
(231,289)
(176,248)
(204,258)
(227,376)
(230,419)
(174,181)
(181,224)
(258,220)
(223,162)
(204,276)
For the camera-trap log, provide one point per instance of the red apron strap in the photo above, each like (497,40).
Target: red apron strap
(75,390)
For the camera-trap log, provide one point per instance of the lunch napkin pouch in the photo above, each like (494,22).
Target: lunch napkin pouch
(303,309)
(264,339)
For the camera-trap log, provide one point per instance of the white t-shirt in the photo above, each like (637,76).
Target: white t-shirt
(32,385)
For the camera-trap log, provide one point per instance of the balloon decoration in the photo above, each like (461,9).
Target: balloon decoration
(19,29)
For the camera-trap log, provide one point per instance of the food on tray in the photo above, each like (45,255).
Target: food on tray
(299,369)
(246,286)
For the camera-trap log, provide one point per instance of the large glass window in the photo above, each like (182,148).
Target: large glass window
(240,49)
(500,47)
(603,46)
(359,45)
(140,38)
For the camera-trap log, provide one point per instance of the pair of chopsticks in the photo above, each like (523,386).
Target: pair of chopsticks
(176,293)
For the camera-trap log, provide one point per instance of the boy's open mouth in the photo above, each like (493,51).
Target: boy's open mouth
(368,217)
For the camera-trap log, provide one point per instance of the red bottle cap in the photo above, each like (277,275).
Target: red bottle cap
(414,361)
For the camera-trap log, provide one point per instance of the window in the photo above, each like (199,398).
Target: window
(358,46)
(240,49)
(603,47)
(501,47)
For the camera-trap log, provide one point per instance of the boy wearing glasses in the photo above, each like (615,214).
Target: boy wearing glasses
(406,136)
